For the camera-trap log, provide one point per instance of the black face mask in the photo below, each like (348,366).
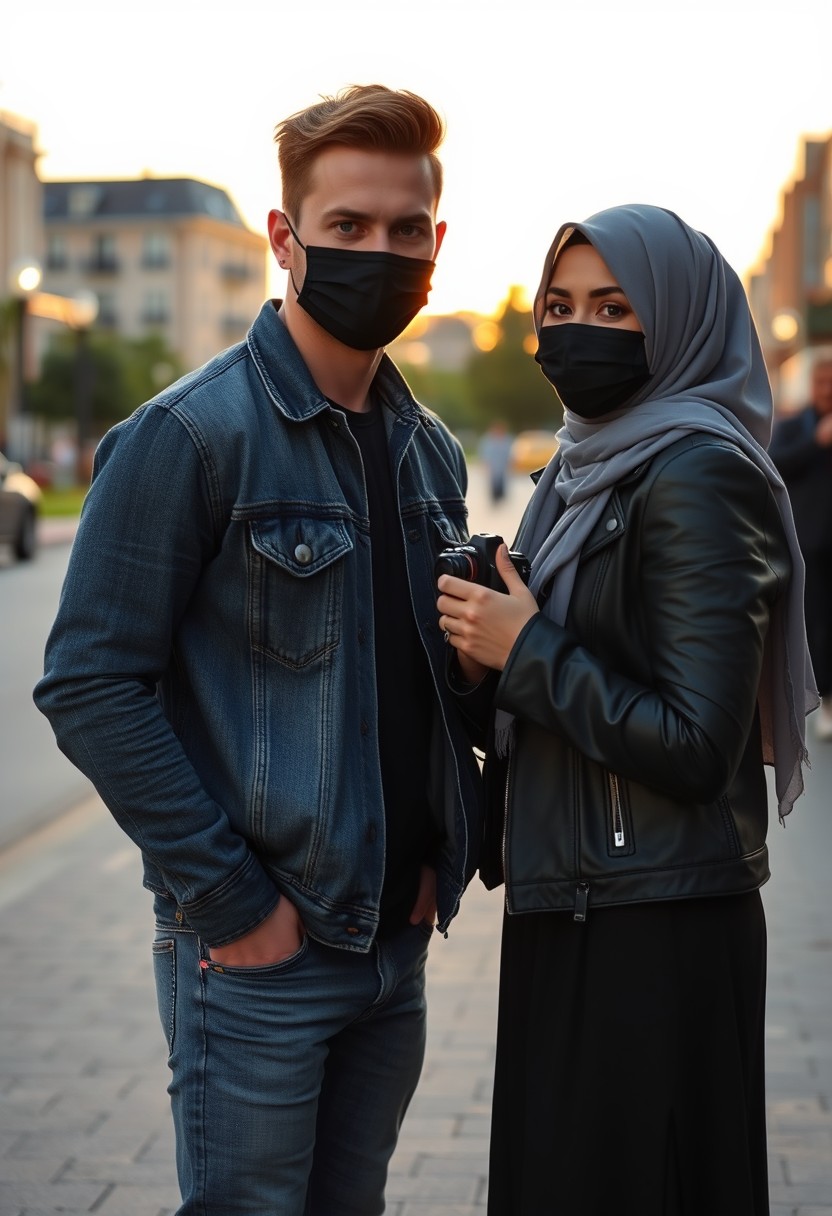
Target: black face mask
(594,370)
(364,299)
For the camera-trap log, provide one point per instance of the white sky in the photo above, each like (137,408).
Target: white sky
(554,109)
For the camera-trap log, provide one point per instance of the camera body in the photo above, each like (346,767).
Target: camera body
(476,561)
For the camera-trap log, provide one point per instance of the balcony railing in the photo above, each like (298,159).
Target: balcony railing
(235,272)
(102,263)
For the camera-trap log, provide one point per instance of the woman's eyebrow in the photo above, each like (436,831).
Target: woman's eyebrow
(593,295)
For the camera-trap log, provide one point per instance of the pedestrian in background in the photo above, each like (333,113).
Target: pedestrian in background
(246,663)
(495,454)
(656,662)
(801,447)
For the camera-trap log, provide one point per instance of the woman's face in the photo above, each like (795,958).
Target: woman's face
(583,289)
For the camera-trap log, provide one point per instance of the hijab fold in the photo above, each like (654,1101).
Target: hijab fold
(707,376)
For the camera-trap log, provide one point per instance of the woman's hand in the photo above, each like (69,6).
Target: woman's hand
(483,625)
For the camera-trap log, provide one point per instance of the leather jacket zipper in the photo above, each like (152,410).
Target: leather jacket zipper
(505,827)
(617,816)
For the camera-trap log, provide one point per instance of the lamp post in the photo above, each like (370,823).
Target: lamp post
(80,316)
(24,280)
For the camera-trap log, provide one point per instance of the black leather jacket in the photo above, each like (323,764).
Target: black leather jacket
(636,772)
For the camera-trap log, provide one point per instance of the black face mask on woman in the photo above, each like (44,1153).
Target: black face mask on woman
(594,370)
(362,298)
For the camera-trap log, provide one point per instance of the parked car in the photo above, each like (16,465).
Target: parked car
(532,450)
(19,506)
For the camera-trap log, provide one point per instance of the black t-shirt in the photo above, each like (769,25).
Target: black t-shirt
(403,681)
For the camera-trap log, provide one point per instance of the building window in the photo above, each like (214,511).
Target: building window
(104,259)
(57,257)
(156,309)
(107,315)
(156,251)
(812,260)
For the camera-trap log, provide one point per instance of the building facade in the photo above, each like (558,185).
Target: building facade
(21,243)
(170,256)
(791,290)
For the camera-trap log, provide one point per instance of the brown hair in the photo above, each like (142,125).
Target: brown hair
(368,116)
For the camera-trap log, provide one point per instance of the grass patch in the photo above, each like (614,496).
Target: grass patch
(63,503)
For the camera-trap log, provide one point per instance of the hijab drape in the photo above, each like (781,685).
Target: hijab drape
(707,375)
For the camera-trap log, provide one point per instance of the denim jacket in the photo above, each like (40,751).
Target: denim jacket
(211,667)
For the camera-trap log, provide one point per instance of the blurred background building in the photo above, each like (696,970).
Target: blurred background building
(170,256)
(791,290)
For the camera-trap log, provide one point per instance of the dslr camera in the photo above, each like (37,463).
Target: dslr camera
(476,561)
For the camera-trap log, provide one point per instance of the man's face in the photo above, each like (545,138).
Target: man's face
(822,387)
(379,201)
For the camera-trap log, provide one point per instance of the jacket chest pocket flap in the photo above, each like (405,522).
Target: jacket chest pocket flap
(297,587)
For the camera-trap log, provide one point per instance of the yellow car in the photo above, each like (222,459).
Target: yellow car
(532,450)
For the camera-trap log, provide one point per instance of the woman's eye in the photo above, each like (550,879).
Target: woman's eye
(612,311)
(558,309)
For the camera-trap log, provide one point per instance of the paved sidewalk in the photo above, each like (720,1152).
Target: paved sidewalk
(84,1122)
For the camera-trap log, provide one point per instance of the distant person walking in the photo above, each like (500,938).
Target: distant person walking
(801,447)
(495,453)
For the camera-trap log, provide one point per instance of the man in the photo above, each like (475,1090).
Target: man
(801,447)
(248,665)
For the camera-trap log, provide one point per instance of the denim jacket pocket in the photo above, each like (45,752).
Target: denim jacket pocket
(297,587)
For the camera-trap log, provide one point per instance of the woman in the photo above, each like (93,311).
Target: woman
(656,661)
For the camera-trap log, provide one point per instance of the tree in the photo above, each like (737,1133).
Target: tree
(120,374)
(505,382)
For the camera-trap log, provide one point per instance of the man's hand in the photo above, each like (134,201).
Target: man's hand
(483,625)
(425,906)
(275,938)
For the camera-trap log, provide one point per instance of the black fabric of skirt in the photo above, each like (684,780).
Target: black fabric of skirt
(630,1062)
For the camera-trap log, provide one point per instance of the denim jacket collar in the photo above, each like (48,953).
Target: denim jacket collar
(290,386)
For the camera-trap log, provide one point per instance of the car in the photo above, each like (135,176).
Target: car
(20,499)
(532,450)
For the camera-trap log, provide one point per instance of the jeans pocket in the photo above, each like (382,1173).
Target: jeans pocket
(272,969)
(164,970)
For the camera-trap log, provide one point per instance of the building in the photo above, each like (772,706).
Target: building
(21,243)
(170,256)
(791,290)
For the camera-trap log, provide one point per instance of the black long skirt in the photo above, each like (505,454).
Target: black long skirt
(630,1062)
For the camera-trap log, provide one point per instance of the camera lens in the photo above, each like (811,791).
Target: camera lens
(459,565)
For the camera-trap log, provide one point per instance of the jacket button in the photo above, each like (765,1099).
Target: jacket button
(371,834)
(612,524)
(413,534)
(351,929)
(303,555)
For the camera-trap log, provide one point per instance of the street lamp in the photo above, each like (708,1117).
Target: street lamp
(24,280)
(81,314)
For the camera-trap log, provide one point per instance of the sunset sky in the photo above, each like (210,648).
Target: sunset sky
(554,110)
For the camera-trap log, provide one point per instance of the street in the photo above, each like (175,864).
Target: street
(38,781)
(84,1120)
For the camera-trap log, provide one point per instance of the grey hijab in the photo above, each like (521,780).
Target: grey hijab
(707,374)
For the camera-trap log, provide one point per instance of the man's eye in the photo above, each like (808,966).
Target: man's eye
(409,230)
(345,226)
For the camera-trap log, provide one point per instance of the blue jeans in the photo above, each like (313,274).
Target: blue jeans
(289,1082)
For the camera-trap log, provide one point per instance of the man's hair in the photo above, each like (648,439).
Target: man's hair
(371,117)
